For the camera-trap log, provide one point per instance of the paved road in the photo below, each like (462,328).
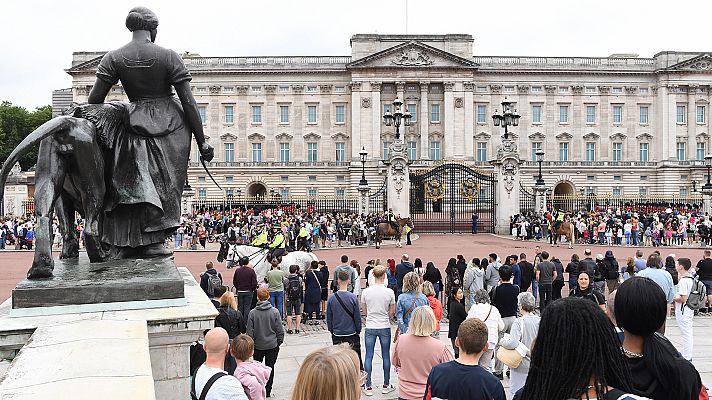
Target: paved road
(437,248)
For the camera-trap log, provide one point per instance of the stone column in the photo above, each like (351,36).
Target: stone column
(186,207)
(424,121)
(448,121)
(469,120)
(691,123)
(357,140)
(363,199)
(398,188)
(376,122)
(507,172)
(540,199)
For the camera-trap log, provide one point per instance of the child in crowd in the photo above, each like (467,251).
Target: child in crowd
(252,375)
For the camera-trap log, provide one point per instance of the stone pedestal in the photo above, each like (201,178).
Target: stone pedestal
(506,169)
(540,199)
(13,197)
(363,199)
(398,189)
(186,201)
(170,332)
(707,204)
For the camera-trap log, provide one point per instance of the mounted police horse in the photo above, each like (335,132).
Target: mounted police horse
(565,228)
(231,253)
(385,229)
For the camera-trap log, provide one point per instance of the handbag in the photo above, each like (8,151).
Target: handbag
(398,332)
(513,357)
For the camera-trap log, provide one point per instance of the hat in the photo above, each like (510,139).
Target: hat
(599,257)
(609,254)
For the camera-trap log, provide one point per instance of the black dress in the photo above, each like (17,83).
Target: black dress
(324,283)
(456,315)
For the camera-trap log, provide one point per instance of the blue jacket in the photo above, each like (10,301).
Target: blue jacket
(408,301)
(516,275)
(338,320)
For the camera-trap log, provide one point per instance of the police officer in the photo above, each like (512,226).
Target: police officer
(304,238)
(391,218)
(277,247)
(261,240)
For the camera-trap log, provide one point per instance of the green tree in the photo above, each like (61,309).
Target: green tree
(15,124)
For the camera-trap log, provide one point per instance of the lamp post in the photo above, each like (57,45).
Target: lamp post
(507,118)
(539,159)
(397,117)
(363,183)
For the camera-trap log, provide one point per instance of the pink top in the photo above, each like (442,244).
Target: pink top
(253,375)
(416,356)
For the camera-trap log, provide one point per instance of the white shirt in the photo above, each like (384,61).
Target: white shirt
(377,298)
(225,388)
(684,287)
(490,315)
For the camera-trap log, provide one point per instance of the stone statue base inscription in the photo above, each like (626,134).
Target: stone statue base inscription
(79,282)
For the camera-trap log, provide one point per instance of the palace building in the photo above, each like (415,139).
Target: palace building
(619,125)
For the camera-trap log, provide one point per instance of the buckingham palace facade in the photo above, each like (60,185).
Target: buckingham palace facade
(295,125)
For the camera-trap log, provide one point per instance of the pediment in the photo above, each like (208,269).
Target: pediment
(537,136)
(702,136)
(412,54)
(618,136)
(85,66)
(700,63)
(564,136)
(228,137)
(256,137)
(340,136)
(591,136)
(311,136)
(483,136)
(644,137)
(284,136)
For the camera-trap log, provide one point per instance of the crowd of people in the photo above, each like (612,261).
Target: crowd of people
(588,327)
(649,226)
(17,233)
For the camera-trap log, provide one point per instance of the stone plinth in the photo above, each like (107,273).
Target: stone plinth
(79,282)
(398,188)
(170,332)
(83,360)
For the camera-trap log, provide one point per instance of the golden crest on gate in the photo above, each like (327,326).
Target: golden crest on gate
(469,189)
(434,190)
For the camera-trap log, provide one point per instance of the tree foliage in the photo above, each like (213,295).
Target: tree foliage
(15,124)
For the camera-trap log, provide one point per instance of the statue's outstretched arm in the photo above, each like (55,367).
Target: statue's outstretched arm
(192,117)
(99,91)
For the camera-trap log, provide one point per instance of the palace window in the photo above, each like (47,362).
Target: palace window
(590,151)
(284,152)
(700,116)
(435,150)
(203,114)
(564,151)
(616,191)
(481,114)
(643,151)
(643,191)
(644,115)
(256,152)
(229,152)
(413,110)
(311,192)
(536,114)
(340,114)
(202,193)
(412,150)
(617,151)
(683,192)
(340,193)
(680,115)
(385,152)
(481,151)
(617,114)
(311,114)
(229,116)
(311,152)
(256,114)
(435,113)
(700,151)
(680,151)
(590,114)
(283,114)
(563,114)
(284,192)
(340,151)
(536,146)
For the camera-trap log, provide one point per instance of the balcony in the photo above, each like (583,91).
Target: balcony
(275,164)
(592,164)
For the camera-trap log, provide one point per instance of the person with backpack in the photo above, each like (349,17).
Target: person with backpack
(211,382)
(343,316)
(611,269)
(691,295)
(294,287)
(349,269)
(210,279)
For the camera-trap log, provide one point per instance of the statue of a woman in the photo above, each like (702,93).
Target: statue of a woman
(147,169)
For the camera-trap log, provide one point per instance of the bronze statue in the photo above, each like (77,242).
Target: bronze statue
(122,166)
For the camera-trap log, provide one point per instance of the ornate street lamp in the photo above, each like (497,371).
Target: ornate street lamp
(539,159)
(363,153)
(509,117)
(398,117)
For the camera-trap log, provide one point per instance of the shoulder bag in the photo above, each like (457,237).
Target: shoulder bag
(513,357)
(398,332)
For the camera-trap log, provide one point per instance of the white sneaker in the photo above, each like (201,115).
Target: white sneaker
(368,391)
(387,389)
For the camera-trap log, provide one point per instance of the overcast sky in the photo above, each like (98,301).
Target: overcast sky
(39,36)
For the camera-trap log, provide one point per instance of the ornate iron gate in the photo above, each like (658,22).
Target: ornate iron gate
(444,198)
(527,200)
(378,200)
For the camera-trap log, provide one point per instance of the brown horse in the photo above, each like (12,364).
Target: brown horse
(565,229)
(384,229)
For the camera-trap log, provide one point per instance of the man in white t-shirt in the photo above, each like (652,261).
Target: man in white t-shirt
(378,302)
(683,313)
(224,386)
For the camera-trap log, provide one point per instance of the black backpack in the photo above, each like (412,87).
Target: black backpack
(214,282)
(294,289)
(611,270)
